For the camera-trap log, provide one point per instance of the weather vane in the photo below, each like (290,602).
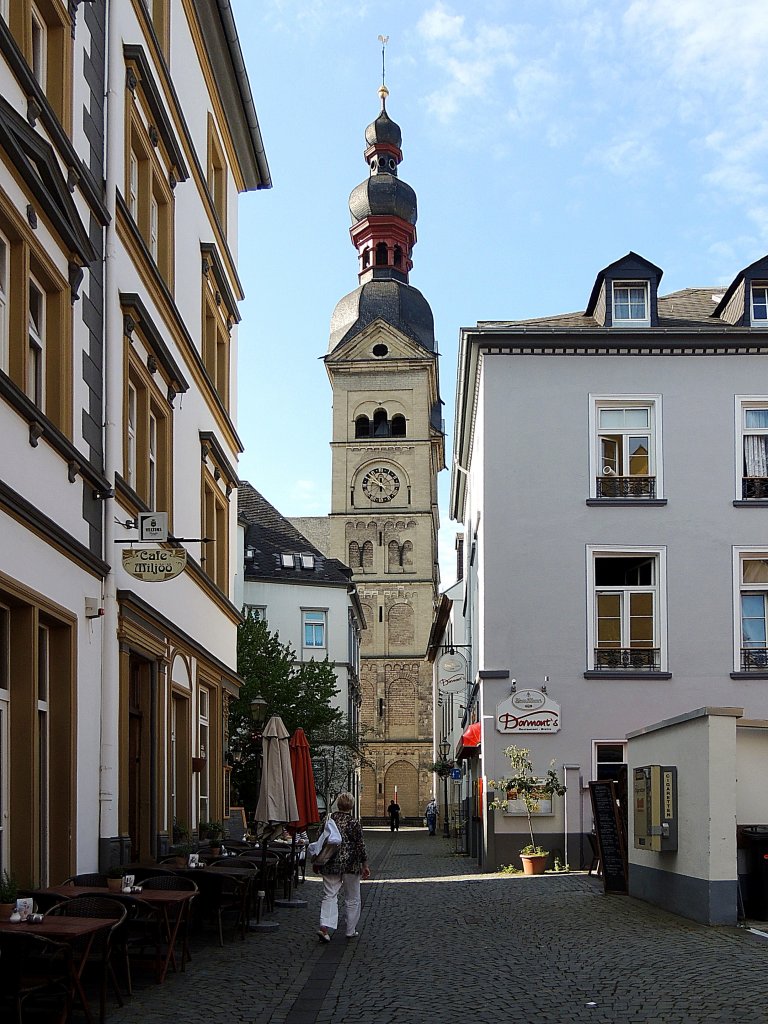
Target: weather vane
(383,90)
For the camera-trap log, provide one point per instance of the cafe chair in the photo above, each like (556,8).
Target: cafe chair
(142,929)
(222,894)
(104,943)
(36,973)
(150,871)
(90,878)
(180,884)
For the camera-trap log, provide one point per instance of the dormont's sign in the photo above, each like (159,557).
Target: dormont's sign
(452,669)
(528,711)
(153,565)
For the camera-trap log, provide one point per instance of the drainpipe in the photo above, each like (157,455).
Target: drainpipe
(110,670)
(567,817)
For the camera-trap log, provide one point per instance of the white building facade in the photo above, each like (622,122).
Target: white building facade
(127,132)
(610,472)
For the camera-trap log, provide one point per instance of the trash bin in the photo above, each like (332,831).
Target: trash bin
(754,842)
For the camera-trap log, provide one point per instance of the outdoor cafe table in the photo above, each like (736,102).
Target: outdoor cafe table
(77,932)
(162,902)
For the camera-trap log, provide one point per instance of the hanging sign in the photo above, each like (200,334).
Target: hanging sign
(528,711)
(153,565)
(451,669)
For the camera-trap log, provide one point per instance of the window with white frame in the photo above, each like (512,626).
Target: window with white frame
(43,686)
(759,304)
(257,611)
(39,46)
(626,443)
(626,616)
(130,455)
(631,304)
(313,628)
(609,759)
(204,753)
(752,605)
(753,442)
(4,347)
(133,185)
(152,481)
(36,343)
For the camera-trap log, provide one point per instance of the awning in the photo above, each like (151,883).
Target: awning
(469,742)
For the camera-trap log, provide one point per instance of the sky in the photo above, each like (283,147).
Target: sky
(544,141)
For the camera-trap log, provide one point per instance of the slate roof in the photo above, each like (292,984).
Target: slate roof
(271,535)
(690,308)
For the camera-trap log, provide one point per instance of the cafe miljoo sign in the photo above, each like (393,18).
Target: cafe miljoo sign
(528,711)
(153,565)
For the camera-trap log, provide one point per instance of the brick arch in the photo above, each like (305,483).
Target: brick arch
(368,704)
(400,625)
(407,554)
(393,555)
(366,555)
(405,776)
(355,559)
(401,709)
(368,792)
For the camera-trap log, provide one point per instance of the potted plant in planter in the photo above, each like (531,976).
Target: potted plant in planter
(115,878)
(214,832)
(182,851)
(523,785)
(9,891)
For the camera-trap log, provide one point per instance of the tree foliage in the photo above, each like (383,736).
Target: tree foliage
(300,694)
(336,755)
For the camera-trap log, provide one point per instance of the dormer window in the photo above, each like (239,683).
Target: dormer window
(759,306)
(286,561)
(307,561)
(630,304)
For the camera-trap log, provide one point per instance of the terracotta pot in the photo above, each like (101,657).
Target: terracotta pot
(216,849)
(181,862)
(115,884)
(534,863)
(6,909)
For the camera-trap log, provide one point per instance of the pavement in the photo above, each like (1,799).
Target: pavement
(440,941)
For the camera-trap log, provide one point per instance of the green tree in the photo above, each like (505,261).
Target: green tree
(336,755)
(300,694)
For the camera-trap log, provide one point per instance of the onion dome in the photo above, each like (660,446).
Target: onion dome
(383,195)
(384,129)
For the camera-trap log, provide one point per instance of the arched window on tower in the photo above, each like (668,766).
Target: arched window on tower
(406,555)
(398,256)
(366,557)
(355,560)
(380,423)
(381,254)
(366,257)
(393,555)
(362,427)
(398,426)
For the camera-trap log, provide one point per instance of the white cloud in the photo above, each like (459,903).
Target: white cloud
(627,157)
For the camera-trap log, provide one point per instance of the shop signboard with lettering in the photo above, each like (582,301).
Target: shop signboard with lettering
(154,565)
(526,711)
(452,670)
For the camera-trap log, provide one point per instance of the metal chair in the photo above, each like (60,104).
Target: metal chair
(43,901)
(171,880)
(221,894)
(90,878)
(142,928)
(103,945)
(38,972)
(150,871)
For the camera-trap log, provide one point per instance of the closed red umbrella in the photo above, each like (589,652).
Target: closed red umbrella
(304,781)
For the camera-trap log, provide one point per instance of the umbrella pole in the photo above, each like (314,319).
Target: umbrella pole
(291,901)
(259,925)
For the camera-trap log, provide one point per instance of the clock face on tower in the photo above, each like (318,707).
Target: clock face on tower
(381,484)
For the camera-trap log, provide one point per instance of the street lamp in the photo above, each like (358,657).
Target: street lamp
(258,709)
(443,748)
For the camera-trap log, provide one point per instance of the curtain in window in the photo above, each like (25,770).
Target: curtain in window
(756,455)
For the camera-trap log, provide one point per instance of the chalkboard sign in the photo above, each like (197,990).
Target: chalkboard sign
(610,835)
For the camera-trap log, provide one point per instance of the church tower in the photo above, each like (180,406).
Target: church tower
(387,450)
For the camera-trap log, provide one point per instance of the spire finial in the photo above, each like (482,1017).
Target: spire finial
(383,90)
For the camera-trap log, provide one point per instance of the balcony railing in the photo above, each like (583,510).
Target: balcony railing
(631,659)
(754,487)
(626,486)
(754,659)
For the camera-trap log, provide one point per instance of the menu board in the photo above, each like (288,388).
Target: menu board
(610,835)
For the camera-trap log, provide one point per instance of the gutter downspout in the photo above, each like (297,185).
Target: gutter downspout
(109,780)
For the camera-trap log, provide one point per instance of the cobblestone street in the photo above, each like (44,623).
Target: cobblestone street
(441,942)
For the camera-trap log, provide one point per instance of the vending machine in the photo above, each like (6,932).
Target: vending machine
(655,808)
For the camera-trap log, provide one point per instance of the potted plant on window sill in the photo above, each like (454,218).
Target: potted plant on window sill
(525,786)
(213,831)
(9,891)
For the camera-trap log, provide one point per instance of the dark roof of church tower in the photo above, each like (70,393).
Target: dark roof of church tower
(383,210)
(398,304)
(383,129)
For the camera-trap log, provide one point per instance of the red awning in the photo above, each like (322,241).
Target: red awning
(469,742)
(471,736)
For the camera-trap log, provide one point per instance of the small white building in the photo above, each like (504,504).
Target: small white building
(308,599)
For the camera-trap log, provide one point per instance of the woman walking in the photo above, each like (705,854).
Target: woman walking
(344,870)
